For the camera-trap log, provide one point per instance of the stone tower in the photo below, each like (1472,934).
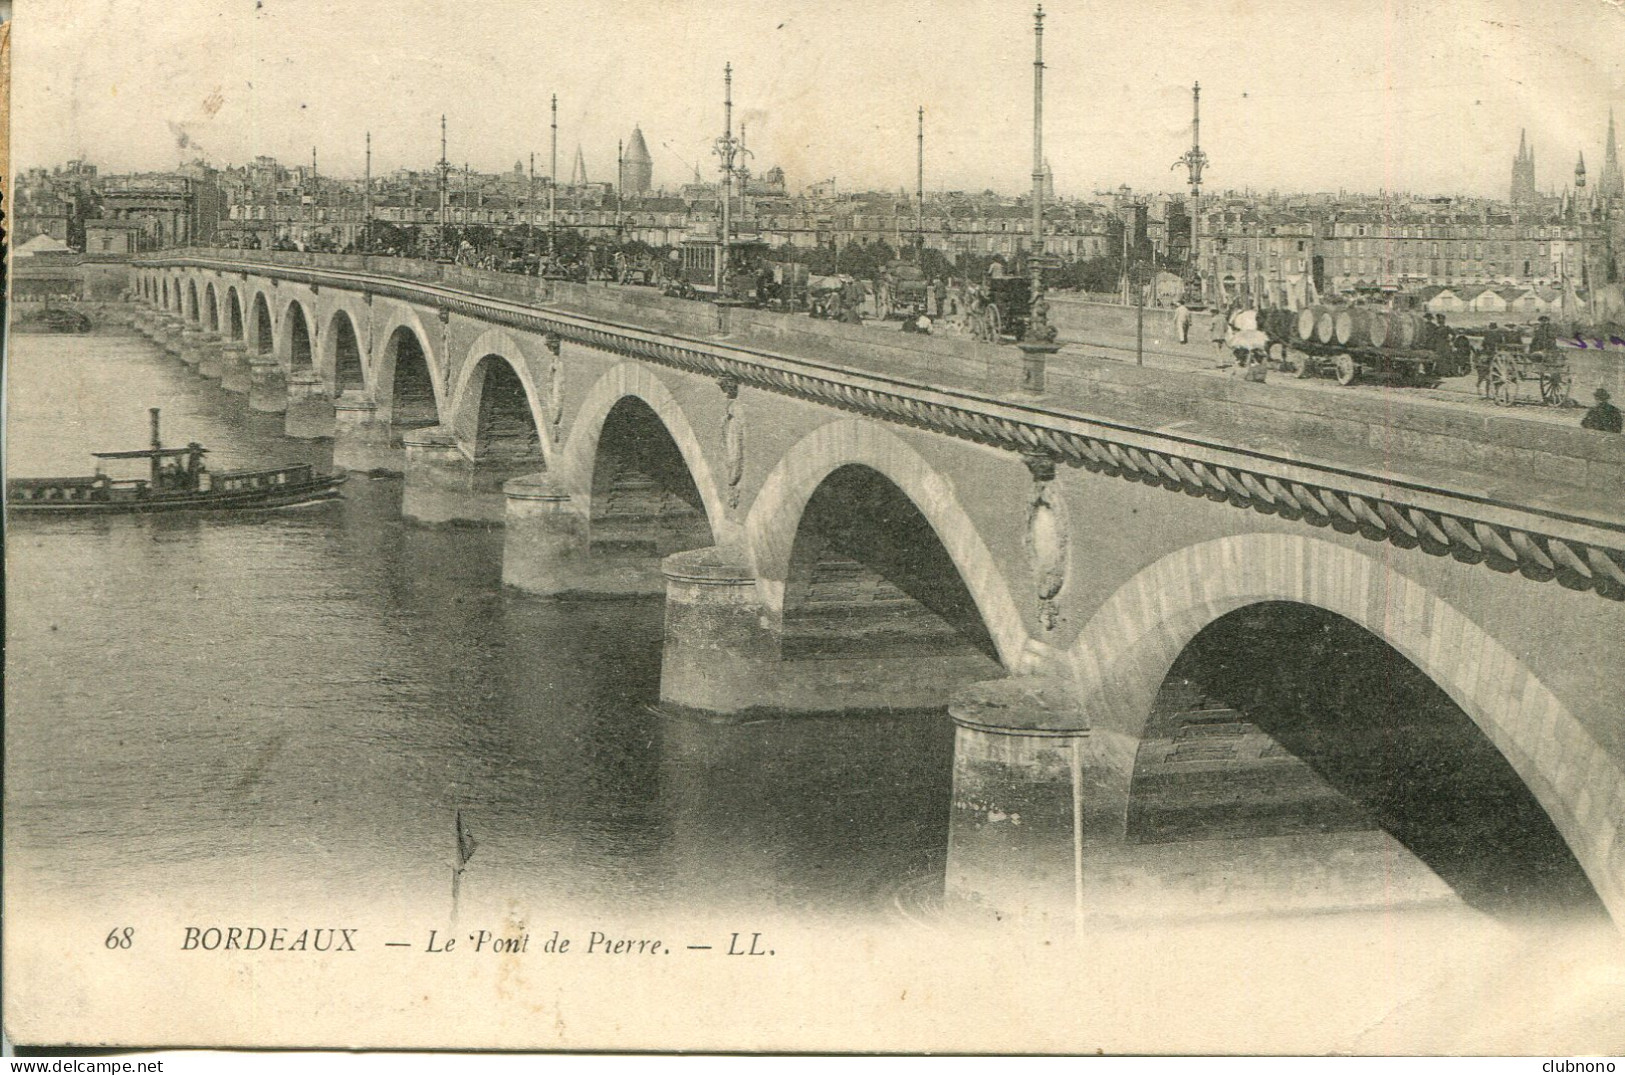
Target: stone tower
(1523,173)
(637,167)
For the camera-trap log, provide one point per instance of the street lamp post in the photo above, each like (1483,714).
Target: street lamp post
(445,194)
(1194,160)
(1039,340)
(726,148)
(553,184)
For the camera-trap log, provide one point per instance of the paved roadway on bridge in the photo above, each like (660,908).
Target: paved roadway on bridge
(1201,356)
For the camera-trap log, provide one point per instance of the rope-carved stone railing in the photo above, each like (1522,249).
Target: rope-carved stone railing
(1544,545)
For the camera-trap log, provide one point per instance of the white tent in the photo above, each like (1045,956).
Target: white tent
(41,244)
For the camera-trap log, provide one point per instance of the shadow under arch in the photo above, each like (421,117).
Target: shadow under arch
(644,499)
(192,311)
(298,351)
(211,308)
(262,335)
(868,576)
(1123,657)
(579,459)
(495,414)
(775,516)
(342,365)
(404,385)
(234,314)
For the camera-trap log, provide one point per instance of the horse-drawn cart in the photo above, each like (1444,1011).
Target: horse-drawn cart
(1507,370)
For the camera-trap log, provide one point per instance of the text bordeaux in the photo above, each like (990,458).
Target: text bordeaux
(277,939)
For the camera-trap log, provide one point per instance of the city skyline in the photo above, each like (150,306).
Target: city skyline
(1428,99)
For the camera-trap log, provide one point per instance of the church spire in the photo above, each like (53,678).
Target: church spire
(1612,184)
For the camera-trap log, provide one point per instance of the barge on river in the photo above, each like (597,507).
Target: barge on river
(177,481)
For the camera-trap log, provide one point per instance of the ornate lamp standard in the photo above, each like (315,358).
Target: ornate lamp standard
(1039,339)
(1194,160)
(727,148)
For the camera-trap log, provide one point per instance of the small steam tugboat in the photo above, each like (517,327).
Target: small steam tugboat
(177,481)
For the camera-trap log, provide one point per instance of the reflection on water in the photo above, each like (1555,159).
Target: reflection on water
(301,700)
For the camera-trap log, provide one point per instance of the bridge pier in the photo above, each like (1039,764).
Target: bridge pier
(555,547)
(169,334)
(208,347)
(267,388)
(445,487)
(1026,800)
(192,345)
(234,373)
(545,543)
(725,654)
(360,440)
(309,413)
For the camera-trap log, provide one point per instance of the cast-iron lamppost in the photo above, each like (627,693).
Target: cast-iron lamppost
(1039,339)
(727,148)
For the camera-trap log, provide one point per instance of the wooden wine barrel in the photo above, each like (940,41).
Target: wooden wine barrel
(1377,329)
(1404,331)
(1326,327)
(1344,326)
(1306,322)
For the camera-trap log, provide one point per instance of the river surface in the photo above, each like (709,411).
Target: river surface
(311,695)
(214,718)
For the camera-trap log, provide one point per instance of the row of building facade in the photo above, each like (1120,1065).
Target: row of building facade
(1285,248)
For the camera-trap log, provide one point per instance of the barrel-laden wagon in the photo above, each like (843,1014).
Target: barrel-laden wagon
(1354,342)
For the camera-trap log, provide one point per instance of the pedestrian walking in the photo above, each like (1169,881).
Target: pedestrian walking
(1220,329)
(1182,322)
(1604,417)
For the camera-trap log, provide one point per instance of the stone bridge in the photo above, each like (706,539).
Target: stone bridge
(846,519)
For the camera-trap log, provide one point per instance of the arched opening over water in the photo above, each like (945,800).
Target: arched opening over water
(234,313)
(870,577)
(211,309)
(299,348)
(407,383)
(347,369)
(165,287)
(1282,720)
(264,338)
(644,499)
(191,301)
(505,430)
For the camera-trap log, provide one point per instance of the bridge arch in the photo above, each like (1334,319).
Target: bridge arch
(262,328)
(232,319)
(1123,656)
(406,380)
(343,366)
(496,409)
(211,308)
(296,349)
(632,380)
(192,311)
(774,519)
(164,289)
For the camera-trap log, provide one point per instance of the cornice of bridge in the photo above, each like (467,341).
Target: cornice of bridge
(1574,549)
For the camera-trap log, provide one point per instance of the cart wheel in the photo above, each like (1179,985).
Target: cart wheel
(1346,369)
(1504,381)
(1306,367)
(1555,388)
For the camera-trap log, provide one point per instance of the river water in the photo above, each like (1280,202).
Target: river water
(312,695)
(211,717)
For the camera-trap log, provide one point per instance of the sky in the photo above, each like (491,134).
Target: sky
(1360,95)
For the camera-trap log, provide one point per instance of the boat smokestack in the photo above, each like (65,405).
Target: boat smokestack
(156,443)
